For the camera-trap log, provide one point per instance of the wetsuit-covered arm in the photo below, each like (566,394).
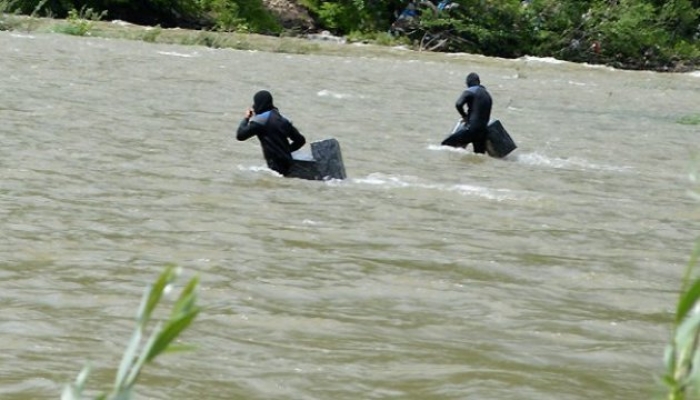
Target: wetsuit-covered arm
(461,101)
(298,140)
(246,130)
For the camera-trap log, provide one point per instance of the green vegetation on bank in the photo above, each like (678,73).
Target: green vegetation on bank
(660,35)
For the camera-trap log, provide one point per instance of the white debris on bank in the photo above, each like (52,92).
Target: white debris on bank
(326,37)
(121,23)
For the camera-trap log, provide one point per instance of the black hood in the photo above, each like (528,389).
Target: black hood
(473,79)
(262,101)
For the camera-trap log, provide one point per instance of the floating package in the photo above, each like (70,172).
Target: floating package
(498,142)
(325,162)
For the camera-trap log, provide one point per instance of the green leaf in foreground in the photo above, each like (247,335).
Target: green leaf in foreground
(682,355)
(160,339)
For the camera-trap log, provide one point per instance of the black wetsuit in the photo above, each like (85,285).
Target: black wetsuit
(476,120)
(274,132)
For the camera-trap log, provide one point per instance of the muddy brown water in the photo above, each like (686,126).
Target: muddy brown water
(427,274)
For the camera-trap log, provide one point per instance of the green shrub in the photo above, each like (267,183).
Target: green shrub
(680,18)
(226,15)
(79,23)
(345,16)
(241,15)
(628,29)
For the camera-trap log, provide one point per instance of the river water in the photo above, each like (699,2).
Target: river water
(428,274)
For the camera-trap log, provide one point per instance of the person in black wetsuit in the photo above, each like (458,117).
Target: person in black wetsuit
(475,120)
(273,130)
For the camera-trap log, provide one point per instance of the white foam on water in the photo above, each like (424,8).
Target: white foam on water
(401,182)
(335,95)
(539,159)
(563,163)
(176,54)
(599,66)
(388,181)
(695,74)
(258,168)
(262,169)
(487,193)
(437,147)
(468,151)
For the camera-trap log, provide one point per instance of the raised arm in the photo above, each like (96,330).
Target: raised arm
(246,130)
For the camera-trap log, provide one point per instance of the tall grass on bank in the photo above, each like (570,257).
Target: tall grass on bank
(9,16)
(79,23)
(7,19)
(139,352)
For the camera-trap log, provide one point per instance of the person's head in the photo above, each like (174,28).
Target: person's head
(473,79)
(262,101)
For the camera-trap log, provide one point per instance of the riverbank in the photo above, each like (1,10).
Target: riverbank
(321,43)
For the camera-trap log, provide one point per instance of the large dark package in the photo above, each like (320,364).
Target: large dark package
(325,162)
(498,142)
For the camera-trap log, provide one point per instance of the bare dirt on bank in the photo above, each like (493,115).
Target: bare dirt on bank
(291,14)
